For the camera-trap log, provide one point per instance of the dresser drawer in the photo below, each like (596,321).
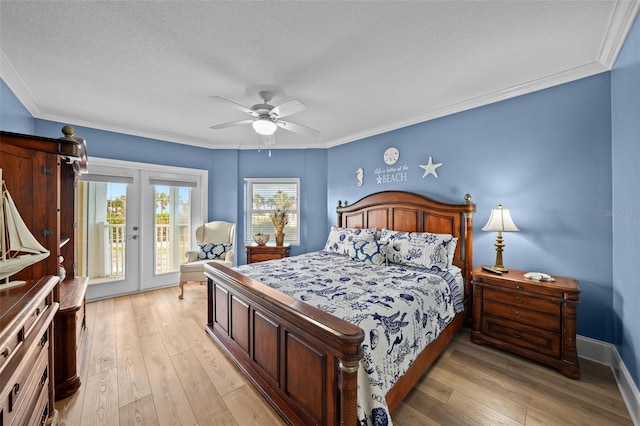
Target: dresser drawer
(535,339)
(519,299)
(34,315)
(523,316)
(22,332)
(28,389)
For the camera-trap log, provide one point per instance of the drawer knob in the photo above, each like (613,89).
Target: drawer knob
(16,388)
(518,299)
(517,314)
(517,335)
(6,352)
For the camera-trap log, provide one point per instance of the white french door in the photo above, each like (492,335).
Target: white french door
(135,224)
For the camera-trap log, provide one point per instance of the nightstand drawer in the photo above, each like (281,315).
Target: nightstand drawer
(536,339)
(523,316)
(519,299)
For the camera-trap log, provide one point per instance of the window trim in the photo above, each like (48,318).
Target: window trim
(249,182)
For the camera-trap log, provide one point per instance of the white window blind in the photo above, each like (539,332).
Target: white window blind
(263,197)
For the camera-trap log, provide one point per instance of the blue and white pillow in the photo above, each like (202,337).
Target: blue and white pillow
(374,252)
(340,239)
(212,251)
(421,249)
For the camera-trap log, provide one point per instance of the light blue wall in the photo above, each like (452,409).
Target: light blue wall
(625,112)
(546,156)
(310,166)
(14,117)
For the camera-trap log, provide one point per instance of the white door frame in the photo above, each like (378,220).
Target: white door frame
(141,268)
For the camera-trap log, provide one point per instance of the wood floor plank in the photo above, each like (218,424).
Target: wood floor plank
(435,410)
(206,402)
(406,415)
(101,399)
(167,326)
(170,399)
(221,370)
(484,414)
(440,391)
(102,348)
(141,412)
(144,318)
(123,310)
(133,382)
(245,403)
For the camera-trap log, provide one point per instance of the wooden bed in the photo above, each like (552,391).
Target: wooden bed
(305,361)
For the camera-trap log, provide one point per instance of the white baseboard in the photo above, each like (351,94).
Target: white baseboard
(607,354)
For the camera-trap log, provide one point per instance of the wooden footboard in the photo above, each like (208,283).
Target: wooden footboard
(303,360)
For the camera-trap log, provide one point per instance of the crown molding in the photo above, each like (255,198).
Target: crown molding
(622,18)
(17,86)
(546,82)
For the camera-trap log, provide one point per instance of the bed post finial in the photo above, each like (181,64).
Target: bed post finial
(339,203)
(467,198)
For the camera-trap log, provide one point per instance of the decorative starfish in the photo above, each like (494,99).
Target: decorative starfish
(430,168)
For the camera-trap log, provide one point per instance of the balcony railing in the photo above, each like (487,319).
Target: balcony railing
(169,250)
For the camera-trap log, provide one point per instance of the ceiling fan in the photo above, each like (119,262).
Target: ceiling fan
(267,118)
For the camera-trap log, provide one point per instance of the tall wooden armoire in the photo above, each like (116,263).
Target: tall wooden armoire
(41,174)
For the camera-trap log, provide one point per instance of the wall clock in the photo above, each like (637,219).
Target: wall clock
(391,155)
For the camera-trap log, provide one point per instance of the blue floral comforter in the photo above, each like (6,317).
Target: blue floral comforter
(401,310)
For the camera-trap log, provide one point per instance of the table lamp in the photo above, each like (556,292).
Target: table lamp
(500,221)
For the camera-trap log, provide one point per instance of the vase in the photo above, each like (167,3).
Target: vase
(279,238)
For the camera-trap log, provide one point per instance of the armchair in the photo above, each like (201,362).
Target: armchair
(215,244)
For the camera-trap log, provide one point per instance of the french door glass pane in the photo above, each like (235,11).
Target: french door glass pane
(105,205)
(172,227)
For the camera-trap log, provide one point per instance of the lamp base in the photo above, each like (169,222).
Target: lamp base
(500,268)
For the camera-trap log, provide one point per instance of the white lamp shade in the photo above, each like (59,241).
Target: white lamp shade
(500,221)
(264,126)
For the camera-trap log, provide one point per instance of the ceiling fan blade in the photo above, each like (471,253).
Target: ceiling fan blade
(297,128)
(235,105)
(231,123)
(288,108)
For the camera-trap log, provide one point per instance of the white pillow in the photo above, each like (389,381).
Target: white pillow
(340,239)
(421,249)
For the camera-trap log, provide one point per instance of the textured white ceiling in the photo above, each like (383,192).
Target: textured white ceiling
(361,68)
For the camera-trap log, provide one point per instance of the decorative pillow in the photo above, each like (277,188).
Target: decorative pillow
(340,239)
(421,249)
(212,251)
(451,250)
(374,252)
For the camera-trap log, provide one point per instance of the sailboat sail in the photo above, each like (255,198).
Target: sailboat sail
(19,247)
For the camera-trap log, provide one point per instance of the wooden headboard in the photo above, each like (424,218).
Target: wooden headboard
(411,212)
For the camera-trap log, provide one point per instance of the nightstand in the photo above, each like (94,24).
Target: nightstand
(534,319)
(256,253)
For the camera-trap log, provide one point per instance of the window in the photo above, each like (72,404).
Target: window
(264,196)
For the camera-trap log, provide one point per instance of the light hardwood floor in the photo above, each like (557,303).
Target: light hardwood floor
(150,362)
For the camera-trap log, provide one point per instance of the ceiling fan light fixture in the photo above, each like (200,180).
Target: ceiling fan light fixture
(264,126)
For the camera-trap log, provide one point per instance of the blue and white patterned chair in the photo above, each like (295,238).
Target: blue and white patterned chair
(215,244)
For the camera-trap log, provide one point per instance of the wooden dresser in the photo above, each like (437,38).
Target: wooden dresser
(26,386)
(256,253)
(535,319)
(42,175)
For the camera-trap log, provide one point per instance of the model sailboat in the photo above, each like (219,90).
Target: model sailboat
(19,248)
